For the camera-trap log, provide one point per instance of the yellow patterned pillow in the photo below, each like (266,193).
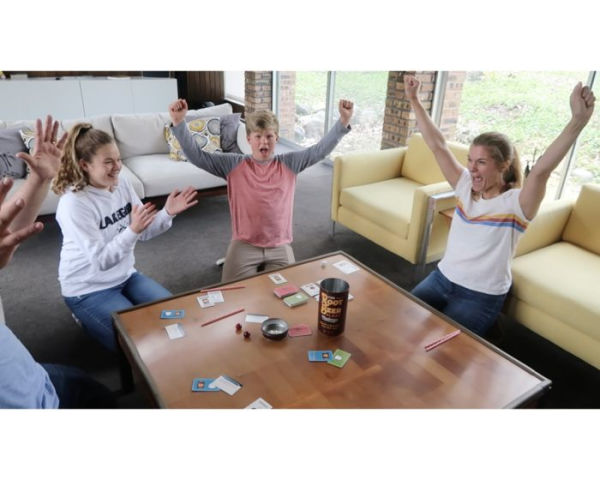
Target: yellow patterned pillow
(206,133)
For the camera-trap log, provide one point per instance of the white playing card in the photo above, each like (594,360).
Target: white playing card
(227,384)
(216,297)
(175,330)
(256,317)
(205,301)
(311,289)
(277,278)
(345,266)
(259,403)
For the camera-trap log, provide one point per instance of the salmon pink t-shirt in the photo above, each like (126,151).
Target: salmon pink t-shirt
(261,194)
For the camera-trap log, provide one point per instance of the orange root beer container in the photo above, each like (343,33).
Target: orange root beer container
(333,302)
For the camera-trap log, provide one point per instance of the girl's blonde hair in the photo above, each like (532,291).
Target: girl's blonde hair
(504,154)
(82,143)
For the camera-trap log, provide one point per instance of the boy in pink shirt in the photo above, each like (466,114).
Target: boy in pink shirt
(260,187)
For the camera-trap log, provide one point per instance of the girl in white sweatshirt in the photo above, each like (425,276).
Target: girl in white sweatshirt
(102,218)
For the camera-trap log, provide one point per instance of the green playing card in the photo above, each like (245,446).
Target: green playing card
(339,359)
(295,300)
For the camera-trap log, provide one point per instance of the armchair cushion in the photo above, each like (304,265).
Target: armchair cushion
(420,164)
(583,227)
(547,226)
(387,204)
(561,279)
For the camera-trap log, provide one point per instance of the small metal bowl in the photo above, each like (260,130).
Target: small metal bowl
(274,328)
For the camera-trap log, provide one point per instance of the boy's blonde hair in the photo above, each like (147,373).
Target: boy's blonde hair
(83,142)
(260,121)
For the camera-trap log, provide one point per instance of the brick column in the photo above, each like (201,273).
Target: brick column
(287,104)
(258,91)
(451,105)
(399,120)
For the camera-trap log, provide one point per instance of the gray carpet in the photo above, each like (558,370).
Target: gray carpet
(184,258)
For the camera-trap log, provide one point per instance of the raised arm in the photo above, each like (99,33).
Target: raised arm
(216,163)
(43,163)
(432,135)
(301,159)
(582,106)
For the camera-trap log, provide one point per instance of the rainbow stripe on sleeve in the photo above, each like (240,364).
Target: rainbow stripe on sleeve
(498,220)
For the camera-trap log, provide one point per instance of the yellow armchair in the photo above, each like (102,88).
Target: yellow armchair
(392,197)
(556,275)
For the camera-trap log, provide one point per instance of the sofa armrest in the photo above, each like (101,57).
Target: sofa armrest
(547,226)
(362,168)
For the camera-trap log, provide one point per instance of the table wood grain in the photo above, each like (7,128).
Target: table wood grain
(386,332)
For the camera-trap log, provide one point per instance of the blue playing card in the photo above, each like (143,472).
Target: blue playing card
(170,314)
(320,355)
(203,385)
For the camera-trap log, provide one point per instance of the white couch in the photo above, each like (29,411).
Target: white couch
(145,153)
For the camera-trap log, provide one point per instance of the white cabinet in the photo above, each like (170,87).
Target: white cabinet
(30,99)
(84,97)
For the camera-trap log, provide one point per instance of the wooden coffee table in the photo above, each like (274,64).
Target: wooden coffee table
(386,332)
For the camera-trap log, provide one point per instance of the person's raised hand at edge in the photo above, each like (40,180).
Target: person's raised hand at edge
(9,240)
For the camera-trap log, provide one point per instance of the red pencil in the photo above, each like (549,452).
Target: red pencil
(444,339)
(222,288)
(222,317)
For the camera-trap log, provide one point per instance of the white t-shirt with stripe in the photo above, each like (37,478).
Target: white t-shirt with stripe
(482,239)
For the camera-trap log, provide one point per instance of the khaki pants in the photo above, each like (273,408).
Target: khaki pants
(243,259)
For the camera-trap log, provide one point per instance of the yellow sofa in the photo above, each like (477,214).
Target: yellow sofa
(392,197)
(556,275)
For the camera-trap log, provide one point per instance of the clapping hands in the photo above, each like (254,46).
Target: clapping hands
(179,201)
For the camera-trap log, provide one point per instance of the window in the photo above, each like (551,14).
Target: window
(235,86)
(301,106)
(531,108)
(368,91)
(307,106)
(585,167)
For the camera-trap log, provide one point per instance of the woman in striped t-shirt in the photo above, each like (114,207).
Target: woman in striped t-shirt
(493,210)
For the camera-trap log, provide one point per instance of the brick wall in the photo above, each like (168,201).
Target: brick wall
(399,120)
(258,91)
(451,105)
(287,104)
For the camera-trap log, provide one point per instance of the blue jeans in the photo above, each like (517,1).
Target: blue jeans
(94,310)
(475,310)
(75,389)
